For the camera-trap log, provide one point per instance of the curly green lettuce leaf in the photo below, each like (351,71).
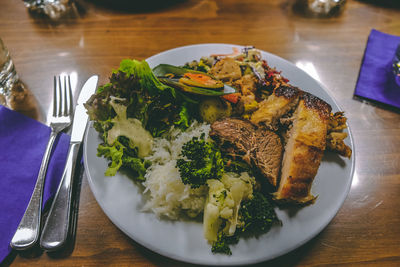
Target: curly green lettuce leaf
(113,153)
(135,97)
(141,72)
(122,155)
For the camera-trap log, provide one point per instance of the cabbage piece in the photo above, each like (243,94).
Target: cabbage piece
(223,203)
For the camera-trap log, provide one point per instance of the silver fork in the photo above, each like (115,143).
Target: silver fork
(27,233)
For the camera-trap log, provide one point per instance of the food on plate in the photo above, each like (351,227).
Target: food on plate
(283,100)
(200,160)
(304,149)
(226,69)
(134,93)
(258,147)
(335,138)
(212,109)
(191,81)
(221,210)
(167,195)
(224,139)
(201,80)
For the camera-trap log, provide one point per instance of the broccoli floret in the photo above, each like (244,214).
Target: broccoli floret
(257,214)
(223,242)
(202,162)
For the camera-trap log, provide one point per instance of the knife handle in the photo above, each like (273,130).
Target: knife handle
(56,228)
(28,230)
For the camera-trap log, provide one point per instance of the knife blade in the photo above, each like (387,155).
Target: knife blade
(56,228)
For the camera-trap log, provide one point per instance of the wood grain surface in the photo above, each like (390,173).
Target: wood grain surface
(366,230)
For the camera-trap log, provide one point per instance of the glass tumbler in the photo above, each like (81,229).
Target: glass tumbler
(8,75)
(325,7)
(13,92)
(54,9)
(319,8)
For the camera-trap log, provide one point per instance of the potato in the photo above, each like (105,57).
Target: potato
(214,108)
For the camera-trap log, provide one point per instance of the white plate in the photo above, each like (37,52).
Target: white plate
(121,199)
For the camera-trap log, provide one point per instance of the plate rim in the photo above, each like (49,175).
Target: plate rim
(151,247)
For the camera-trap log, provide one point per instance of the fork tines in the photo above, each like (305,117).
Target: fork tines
(62,108)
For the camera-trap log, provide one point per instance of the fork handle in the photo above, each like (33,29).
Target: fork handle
(27,233)
(56,228)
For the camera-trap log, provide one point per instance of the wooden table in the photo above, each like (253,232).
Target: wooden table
(366,230)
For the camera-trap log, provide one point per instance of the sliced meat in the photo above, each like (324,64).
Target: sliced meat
(304,150)
(281,101)
(259,147)
(237,132)
(267,154)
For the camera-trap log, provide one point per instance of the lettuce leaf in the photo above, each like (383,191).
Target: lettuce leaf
(157,106)
(123,156)
(114,153)
(141,71)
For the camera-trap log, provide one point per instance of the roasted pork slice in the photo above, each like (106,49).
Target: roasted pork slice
(283,100)
(259,147)
(304,150)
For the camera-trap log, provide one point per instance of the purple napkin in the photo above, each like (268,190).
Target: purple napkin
(376,80)
(22,145)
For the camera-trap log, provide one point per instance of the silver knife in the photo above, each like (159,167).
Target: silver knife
(56,228)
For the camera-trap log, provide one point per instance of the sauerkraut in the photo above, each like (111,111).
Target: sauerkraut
(167,195)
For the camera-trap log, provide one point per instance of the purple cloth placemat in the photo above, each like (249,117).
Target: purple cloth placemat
(376,80)
(22,145)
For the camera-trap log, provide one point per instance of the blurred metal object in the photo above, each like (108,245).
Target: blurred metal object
(396,66)
(8,75)
(396,61)
(325,7)
(13,92)
(320,8)
(54,9)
